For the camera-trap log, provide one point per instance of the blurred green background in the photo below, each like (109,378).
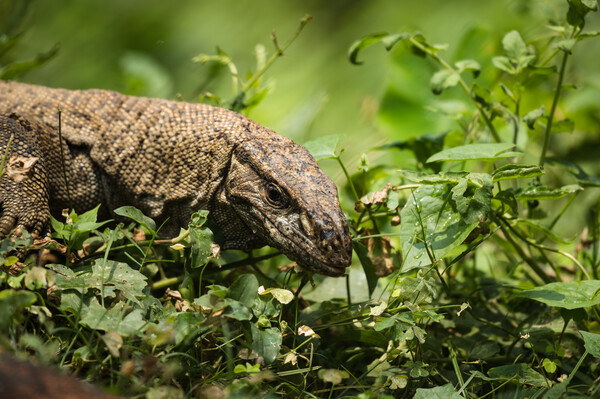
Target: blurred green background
(145,47)
(315,90)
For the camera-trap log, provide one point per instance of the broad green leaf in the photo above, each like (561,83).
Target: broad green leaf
(514,46)
(568,295)
(106,277)
(266,342)
(468,65)
(388,40)
(113,319)
(516,51)
(592,343)
(479,152)
(473,197)
(504,64)
(429,220)
(439,178)
(244,289)
(511,171)
(135,214)
(546,193)
(533,116)
(442,392)
(281,295)
(326,147)
(563,126)
(12,303)
(443,79)
(578,9)
(236,310)
(201,239)
(520,372)
(566,45)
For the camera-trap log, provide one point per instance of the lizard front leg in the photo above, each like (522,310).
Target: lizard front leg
(24,183)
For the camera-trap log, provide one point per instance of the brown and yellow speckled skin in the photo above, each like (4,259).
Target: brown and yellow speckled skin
(170,159)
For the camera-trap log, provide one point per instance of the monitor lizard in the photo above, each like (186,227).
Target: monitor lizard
(169,159)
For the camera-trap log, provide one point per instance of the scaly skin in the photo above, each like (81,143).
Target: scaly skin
(170,159)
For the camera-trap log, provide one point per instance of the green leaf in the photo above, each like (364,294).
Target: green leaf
(568,295)
(511,171)
(583,179)
(388,40)
(578,9)
(236,310)
(588,35)
(244,289)
(504,64)
(534,225)
(516,50)
(480,152)
(326,147)
(367,264)
(428,212)
(592,343)
(533,116)
(473,197)
(468,65)
(439,178)
(566,45)
(442,392)
(201,240)
(266,342)
(564,126)
(520,372)
(281,295)
(187,325)
(442,80)
(11,71)
(106,277)
(114,319)
(546,193)
(12,304)
(135,214)
(481,94)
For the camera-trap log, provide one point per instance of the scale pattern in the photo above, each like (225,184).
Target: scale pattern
(169,159)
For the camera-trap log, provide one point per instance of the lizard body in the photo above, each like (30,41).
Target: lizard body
(169,159)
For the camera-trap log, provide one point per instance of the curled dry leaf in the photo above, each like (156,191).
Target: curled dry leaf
(138,235)
(215,250)
(291,357)
(19,168)
(377,197)
(382,254)
(307,331)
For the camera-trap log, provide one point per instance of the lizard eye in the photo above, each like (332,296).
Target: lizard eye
(275,196)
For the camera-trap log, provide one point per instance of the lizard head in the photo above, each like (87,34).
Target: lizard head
(280,193)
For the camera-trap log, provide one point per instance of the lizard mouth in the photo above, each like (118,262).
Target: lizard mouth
(300,255)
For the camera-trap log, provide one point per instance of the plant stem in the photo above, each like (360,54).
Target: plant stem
(462,84)
(561,75)
(278,52)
